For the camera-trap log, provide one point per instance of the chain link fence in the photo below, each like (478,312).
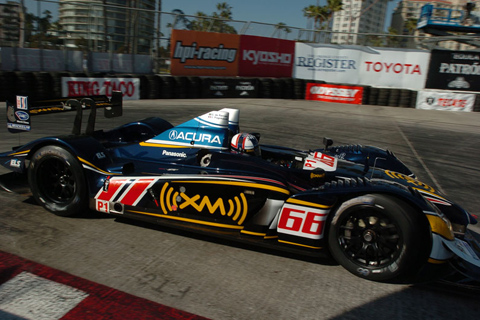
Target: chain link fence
(96,26)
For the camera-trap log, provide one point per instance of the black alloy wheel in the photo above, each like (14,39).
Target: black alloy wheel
(57,181)
(380,238)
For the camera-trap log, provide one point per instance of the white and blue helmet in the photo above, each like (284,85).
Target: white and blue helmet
(245,143)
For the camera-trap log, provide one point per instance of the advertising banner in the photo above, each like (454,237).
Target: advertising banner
(230,88)
(445,100)
(18,115)
(196,53)
(330,63)
(395,68)
(266,57)
(83,86)
(334,93)
(454,70)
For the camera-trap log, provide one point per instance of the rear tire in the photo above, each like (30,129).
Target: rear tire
(57,181)
(379,238)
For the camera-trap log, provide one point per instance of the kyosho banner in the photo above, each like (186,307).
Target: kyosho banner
(83,86)
(334,93)
(204,53)
(265,57)
(362,65)
(445,100)
(454,70)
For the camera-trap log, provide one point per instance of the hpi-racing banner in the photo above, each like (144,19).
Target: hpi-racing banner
(204,53)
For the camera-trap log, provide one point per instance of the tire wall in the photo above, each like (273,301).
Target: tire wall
(47,85)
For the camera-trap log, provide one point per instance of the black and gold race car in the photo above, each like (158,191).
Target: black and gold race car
(360,204)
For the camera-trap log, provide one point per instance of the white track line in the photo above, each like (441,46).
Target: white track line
(415,153)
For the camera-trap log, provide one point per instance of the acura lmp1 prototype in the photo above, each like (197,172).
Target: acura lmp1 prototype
(359,204)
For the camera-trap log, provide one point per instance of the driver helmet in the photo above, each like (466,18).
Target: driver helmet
(245,143)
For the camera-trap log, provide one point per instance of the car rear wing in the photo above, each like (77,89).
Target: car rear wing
(113,107)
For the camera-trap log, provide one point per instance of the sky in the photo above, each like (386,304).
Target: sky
(289,12)
(267,11)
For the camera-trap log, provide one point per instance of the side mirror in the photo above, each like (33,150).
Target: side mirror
(116,108)
(256,135)
(327,142)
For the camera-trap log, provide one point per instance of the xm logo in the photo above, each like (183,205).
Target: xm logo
(172,200)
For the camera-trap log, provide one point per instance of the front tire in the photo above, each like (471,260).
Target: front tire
(379,238)
(57,181)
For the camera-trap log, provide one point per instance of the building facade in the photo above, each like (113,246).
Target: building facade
(358,16)
(12,19)
(406,14)
(122,26)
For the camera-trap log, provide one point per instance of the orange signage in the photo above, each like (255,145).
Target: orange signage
(198,53)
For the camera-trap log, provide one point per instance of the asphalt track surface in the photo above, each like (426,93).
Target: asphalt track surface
(218,280)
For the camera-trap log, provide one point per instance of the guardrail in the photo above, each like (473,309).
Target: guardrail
(45,85)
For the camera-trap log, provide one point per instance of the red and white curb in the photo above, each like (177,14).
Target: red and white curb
(30,291)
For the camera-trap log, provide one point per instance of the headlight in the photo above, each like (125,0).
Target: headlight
(441,225)
(459,229)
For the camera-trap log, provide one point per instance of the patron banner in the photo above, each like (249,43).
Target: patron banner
(334,93)
(82,86)
(362,65)
(454,70)
(266,57)
(445,100)
(204,53)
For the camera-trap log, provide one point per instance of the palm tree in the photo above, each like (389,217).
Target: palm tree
(393,40)
(225,10)
(411,26)
(279,27)
(224,14)
(217,22)
(179,18)
(332,7)
(319,14)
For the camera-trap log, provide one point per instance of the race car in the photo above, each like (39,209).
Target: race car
(359,204)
